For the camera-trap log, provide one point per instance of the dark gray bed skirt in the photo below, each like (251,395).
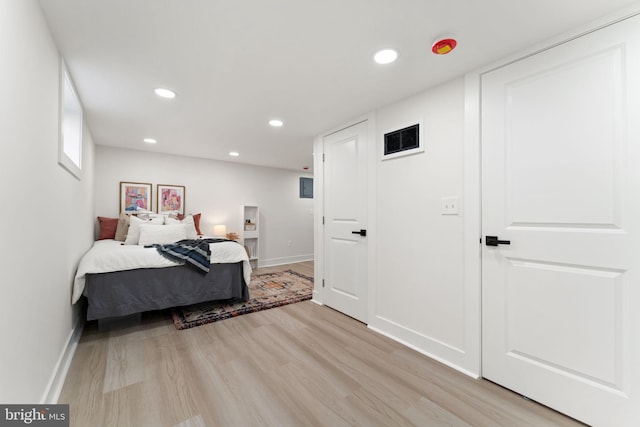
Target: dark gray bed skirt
(126,292)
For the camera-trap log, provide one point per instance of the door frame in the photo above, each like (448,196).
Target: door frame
(318,209)
(472,206)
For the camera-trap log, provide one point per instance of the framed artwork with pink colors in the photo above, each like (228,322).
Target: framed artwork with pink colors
(170,199)
(135,197)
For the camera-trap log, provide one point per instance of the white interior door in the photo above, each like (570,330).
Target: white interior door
(561,182)
(345,215)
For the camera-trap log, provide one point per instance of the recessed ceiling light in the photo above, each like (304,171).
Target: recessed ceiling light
(385,56)
(165,93)
(150,140)
(276,123)
(234,153)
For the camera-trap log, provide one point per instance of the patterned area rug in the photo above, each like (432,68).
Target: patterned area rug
(267,290)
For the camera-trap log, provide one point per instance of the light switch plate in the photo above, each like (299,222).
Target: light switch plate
(450,205)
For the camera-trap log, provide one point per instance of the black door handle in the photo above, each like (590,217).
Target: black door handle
(493,241)
(363,233)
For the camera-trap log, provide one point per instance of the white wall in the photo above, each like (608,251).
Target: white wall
(420,295)
(420,289)
(48,214)
(217,189)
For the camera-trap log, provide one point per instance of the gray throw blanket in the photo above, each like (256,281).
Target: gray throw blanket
(195,253)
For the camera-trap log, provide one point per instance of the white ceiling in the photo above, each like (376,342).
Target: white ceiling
(235,64)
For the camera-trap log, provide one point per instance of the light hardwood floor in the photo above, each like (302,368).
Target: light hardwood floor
(297,365)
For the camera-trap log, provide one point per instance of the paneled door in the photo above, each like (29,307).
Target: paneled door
(561,226)
(345,221)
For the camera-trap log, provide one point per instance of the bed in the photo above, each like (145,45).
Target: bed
(120,280)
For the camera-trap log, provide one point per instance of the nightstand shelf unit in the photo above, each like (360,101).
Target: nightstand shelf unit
(251,233)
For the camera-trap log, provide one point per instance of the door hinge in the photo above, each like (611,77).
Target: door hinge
(322,220)
(323,157)
(323,283)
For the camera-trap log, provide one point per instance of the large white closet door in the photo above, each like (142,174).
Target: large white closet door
(561,183)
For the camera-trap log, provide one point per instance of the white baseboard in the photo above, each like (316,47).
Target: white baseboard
(284,260)
(421,345)
(54,387)
(316,298)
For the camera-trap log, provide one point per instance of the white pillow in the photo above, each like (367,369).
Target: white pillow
(168,220)
(151,234)
(133,235)
(151,216)
(156,219)
(191,227)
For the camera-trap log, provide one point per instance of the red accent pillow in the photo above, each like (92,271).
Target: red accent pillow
(196,221)
(108,228)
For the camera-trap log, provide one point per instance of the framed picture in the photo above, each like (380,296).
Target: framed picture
(170,199)
(135,197)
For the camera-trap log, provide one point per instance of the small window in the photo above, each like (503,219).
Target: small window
(402,142)
(70,139)
(306,188)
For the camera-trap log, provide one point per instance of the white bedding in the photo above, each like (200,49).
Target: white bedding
(106,256)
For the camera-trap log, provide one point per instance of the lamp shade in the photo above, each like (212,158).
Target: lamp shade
(220,230)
